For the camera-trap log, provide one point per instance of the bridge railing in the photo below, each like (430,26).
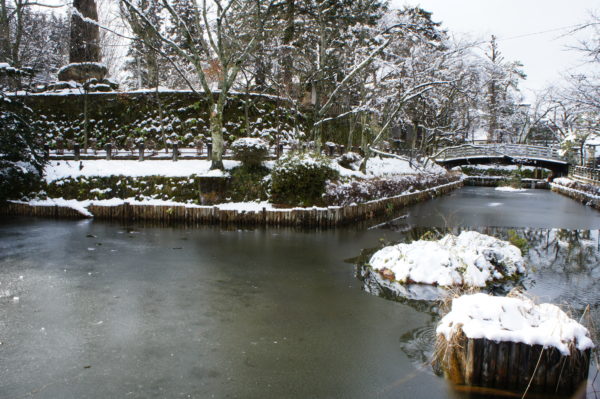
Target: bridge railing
(590,174)
(499,150)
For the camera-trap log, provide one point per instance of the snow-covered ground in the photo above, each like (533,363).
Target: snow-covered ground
(514,320)
(55,170)
(471,259)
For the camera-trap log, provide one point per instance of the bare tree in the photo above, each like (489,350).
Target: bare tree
(211,37)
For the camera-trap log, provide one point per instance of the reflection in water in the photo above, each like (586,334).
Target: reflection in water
(564,267)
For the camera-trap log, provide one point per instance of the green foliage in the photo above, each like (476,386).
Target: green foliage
(16,183)
(518,241)
(21,160)
(192,189)
(299,180)
(430,235)
(248,184)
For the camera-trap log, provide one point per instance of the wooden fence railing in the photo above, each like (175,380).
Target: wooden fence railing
(499,150)
(589,174)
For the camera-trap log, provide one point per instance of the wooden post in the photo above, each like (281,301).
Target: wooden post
(175,152)
(76,151)
(209,151)
(141,150)
(108,148)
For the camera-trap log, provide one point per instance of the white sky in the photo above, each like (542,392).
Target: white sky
(544,55)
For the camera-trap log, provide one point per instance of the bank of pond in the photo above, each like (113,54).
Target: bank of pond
(251,311)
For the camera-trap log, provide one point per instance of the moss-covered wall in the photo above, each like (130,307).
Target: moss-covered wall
(122,118)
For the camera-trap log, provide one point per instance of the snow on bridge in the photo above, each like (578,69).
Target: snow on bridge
(533,155)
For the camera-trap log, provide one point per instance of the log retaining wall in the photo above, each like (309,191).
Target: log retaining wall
(513,366)
(300,217)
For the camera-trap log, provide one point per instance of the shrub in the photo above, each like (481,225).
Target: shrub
(247,183)
(250,151)
(18,179)
(299,180)
(357,191)
(21,160)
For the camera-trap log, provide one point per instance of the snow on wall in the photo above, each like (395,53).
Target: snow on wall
(514,320)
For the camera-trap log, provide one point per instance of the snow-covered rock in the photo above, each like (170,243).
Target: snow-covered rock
(470,259)
(514,320)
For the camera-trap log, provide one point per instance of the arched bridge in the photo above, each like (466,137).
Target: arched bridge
(510,154)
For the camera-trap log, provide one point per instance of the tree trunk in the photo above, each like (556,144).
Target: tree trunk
(85,36)
(216,132)
(288,37)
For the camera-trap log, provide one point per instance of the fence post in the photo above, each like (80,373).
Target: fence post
(76,151)
(141,152)
(331,150)
(108,148)
(209,151)
(175,151)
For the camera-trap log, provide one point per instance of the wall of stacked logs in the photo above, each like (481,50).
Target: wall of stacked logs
(293,217)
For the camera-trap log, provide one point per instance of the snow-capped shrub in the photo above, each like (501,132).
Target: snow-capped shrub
(342,194)
(21,161)
(470,259)
(300,179)
(250,151)
(349,160)
(17,179)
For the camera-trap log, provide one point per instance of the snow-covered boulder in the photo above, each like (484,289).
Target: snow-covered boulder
(470,259)
(514,319)
(82,71)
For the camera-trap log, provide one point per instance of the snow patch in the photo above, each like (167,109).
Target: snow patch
(56,170)
(511,189)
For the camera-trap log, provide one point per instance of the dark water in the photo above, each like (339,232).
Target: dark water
(121,311)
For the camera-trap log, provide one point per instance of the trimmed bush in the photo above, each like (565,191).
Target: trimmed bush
(300,179)
(250,151)
(248,184)
(357,191)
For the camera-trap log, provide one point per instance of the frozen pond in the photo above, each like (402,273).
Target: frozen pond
(99,310)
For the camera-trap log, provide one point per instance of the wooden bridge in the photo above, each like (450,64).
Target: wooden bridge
(510,154)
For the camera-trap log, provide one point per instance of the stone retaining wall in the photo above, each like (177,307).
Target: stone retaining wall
(581,196)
